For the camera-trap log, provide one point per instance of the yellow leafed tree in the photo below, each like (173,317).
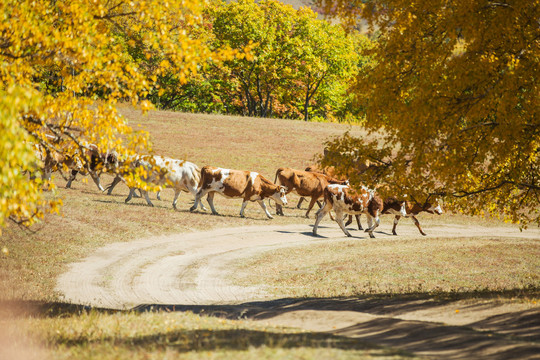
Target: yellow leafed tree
(454,89)
(63,67)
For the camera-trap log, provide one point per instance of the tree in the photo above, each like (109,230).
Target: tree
(294,55)
(454,90)
(57,58)
(326,55)
(263,77)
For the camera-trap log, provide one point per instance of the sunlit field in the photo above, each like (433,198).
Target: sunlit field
(90,219)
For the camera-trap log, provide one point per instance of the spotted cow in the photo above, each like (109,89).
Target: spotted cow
(344,200)
(304,183)
(392,206)
(248,185)
(180,175)
(86,160)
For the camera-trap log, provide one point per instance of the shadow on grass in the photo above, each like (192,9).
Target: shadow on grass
(234,339)
(376,304)
(514,335)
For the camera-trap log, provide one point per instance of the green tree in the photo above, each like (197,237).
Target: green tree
(454,90)
(264,76)
(325,55)
(293,56)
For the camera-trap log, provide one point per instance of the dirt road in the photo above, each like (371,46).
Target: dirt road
(191,272)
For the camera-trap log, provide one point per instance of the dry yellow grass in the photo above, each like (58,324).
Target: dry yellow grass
(460,267)
(90,219)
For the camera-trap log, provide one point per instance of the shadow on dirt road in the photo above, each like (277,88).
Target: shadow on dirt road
(378,320)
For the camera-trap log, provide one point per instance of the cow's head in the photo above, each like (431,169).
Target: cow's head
(403,208)
(435,208)
(279,196)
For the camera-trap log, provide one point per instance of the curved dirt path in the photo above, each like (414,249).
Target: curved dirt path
(191,270)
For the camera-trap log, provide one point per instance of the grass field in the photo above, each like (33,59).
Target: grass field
(90,219)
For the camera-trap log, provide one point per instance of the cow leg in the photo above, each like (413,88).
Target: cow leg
(396,220)
(47,173)
(95,177)
(358,222)
(198,197)
(210,199)
(349,221)
(158,196)
(372,225)
(263,205)
(300,201)
(339,220)
(193,190)
(331,216)
(111,186)
(279,210)
(131,192)
(71,178)
(417,223)
(319,216)
(244,204)
(147,198)
(311,204)
(176,193)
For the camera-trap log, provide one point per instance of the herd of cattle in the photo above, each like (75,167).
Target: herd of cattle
(185,176)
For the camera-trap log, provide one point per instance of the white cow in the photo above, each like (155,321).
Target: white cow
(165,172)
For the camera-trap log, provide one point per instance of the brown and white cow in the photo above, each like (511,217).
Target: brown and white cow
(328,171)
(97,163)
(85,161)
(304,183)
(393,206)
(344,200)
(248,185)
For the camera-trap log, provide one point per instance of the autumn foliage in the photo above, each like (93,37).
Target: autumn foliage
(454,92)
(63,67)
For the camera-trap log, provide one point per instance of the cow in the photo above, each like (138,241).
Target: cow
(53,159)
(97,162)
(328,171)
(248,185)
(392,206)
(344,200)
(304,183)
(164,172)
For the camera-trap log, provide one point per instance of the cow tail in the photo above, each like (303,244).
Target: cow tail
(270,204)
(202,176)
(196,175)
(275,182)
